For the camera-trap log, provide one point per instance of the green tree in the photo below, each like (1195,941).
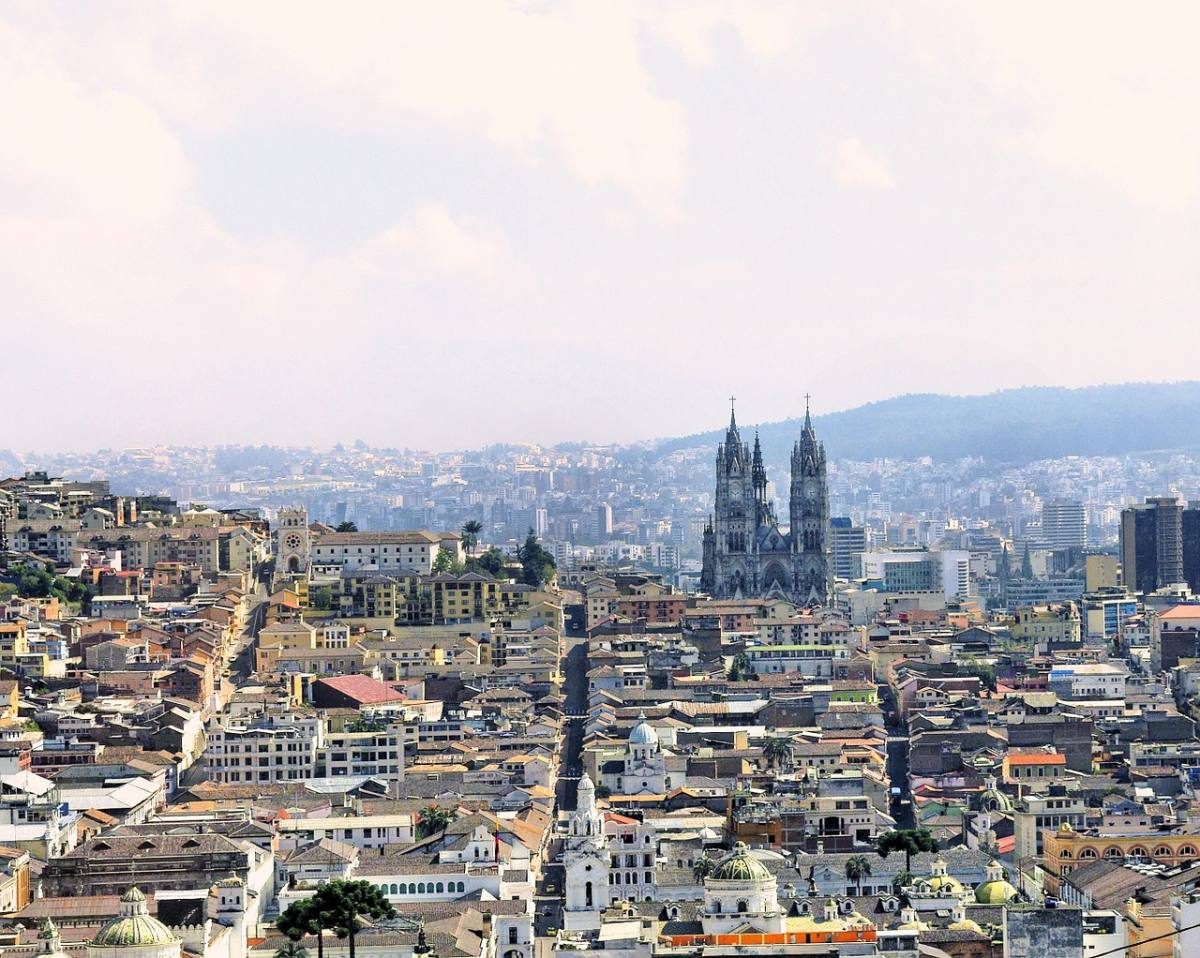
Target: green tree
(434,819)
(291,949)
(740,669)
(321,597)
(858,867)
(346,903)
(778,751)
(910,841)
(302,918)
(901,880)
(491,562)
(445,563)
(470,534)
(346,527)
(537,565)
(703,866)
(603,791)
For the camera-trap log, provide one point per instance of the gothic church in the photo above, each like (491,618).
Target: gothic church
(746,553)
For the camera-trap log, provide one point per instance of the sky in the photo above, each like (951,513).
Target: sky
(450,224)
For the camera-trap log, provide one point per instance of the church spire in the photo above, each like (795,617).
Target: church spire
(807,414)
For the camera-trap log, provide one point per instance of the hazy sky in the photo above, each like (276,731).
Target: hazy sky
(450,224)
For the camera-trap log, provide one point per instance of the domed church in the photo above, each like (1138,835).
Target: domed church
(135,933)
(741,894)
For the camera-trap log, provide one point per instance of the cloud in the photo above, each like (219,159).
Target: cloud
(856,167)
(431,244)
(1102,91)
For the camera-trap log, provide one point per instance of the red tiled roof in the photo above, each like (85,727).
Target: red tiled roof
(363,689)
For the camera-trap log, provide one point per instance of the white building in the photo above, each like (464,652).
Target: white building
(586,862)
(398,552)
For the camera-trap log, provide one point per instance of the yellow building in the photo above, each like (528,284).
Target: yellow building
(1048,623)
(1065,849)
(13,643)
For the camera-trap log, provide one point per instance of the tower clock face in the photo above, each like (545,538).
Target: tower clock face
(292,541)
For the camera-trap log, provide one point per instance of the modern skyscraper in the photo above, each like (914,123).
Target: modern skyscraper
(1152,543)
(846,540)
(745,551)
(1064,523)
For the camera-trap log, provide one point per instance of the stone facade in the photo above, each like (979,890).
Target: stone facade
(746,553)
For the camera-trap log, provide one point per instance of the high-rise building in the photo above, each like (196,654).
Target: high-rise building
(604,521)
(1064,523)
(1152,543)
(845,540)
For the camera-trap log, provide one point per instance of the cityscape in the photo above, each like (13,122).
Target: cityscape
(654,479)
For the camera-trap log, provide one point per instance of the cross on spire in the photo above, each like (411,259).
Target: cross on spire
(732,418)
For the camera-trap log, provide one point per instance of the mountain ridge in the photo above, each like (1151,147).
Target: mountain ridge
(1012,425)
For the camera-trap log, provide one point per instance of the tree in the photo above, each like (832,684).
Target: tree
(740,669)
(778,751)
(291,949)
(910,841)
(346,527)
(703,867)
(858,867)
(321,597)
(491,562)
(603,791)
(902,880)
(302,918)
(470,534)
(446,563)
(347,903)
(537,565)
(434,819)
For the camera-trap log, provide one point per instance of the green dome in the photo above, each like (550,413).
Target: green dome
(741,866)
(135,927)
(998,892)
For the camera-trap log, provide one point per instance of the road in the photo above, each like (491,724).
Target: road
(897,761)
(548,898)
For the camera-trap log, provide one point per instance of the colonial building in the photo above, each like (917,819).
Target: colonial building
(746,553)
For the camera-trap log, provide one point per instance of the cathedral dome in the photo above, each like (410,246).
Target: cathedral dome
(741,866)
(643,733)
(134,927)
(996,890)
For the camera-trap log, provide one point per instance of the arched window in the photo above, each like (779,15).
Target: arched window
(1187,851)
(718,908)
(440,888)
(421,888)
(395,889)
(1162,852)
(1086,854)
(1113,852)
(1065,853)
(742,906)
(1139,852)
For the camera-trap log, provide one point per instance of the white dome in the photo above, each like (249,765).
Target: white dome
(643,733)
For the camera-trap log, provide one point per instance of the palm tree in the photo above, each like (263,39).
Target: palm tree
(347,903)
(858,867)
(778,751)
(470,534)
(302,918)
(434,819)
(291,949)
(703,867)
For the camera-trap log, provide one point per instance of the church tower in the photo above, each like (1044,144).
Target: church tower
(585,861)
(809,513)
(736,508)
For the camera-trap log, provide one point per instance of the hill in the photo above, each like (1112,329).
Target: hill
(1011,426)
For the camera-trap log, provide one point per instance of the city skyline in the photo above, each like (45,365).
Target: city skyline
(599,211)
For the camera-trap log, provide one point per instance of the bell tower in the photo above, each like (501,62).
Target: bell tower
(292,541)
(809,513)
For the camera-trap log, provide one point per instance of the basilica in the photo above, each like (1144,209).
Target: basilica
(746,553)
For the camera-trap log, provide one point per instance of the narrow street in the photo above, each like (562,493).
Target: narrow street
(550,887)
(897,761)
